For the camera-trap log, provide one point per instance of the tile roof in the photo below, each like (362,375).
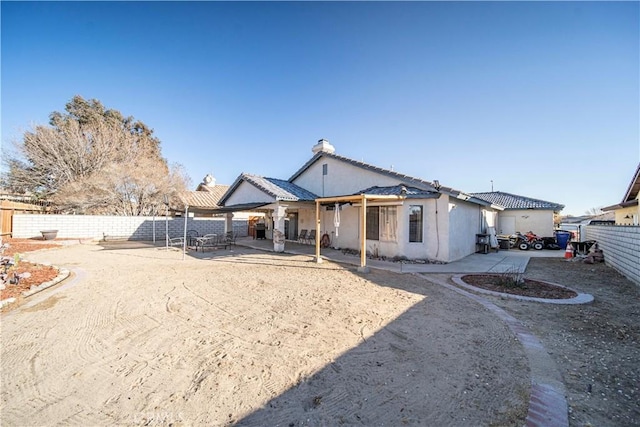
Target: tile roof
(513,201)
(397,190)
(406,179)
(425,185)
(279,188)
(204,199)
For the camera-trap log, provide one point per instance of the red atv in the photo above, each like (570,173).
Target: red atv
(534,241)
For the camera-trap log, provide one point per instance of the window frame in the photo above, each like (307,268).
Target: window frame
(416,227)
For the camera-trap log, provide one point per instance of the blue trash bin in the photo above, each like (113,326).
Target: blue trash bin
(562,237)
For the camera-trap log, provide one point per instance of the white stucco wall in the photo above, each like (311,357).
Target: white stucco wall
(341,179)
(536,220)
(435,237)
(414,250)
(349,231)
(248,193)
(306,219)
(465,221)
(448,233)
(438,229)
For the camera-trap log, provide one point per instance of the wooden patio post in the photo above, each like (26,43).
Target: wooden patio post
(318,259)
(363,237)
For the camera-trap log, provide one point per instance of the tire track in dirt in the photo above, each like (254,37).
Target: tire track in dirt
(16,347)
(88,336)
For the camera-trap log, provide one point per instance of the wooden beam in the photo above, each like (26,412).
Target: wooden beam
(358,198)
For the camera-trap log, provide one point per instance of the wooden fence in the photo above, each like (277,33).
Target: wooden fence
(10,207)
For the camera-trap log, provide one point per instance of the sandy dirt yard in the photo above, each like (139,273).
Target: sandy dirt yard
(137,336)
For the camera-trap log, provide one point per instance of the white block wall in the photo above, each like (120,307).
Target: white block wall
(621,247)
(130,227)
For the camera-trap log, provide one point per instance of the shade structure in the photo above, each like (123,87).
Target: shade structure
(359,198)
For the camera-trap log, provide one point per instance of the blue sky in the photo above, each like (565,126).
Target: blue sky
(541,98)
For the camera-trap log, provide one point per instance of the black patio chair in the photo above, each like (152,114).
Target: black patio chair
(191,237)
(230,238)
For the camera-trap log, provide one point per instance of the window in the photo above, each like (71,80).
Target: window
(415,223)
(373,223)
(382,223)
(388,223)
(325,169)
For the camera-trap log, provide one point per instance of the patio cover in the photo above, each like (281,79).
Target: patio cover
(235,208)
(359,198)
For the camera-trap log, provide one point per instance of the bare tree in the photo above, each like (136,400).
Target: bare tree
(95,161)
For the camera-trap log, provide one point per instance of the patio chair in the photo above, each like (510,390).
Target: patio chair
(206,241)
(191,237)
(230,238)
(302,237)
(311,237)
(176,241)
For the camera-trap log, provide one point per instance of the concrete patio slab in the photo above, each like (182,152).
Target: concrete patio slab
(493,262)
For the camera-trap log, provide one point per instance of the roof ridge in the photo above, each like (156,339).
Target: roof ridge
(515,201)
(363,165)
(277,187)
(518,196)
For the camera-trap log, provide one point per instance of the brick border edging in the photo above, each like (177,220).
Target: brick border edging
(63,273)
(580,299)
(547,401)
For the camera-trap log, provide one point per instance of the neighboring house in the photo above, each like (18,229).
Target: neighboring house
(401,216)
(11,204)
(522,214)
(627,212)
(576,224)
(204,201)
